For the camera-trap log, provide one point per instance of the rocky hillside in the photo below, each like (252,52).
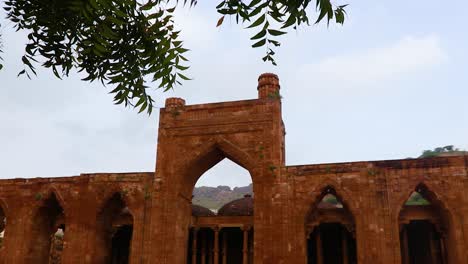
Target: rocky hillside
(215,197)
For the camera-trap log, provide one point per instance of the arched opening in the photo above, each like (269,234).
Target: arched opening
(56,246)
(330,231)
(426,233)
(114,232)
(221,229)
(2,229)
(46,244)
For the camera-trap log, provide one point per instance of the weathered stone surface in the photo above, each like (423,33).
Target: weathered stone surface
(192,139)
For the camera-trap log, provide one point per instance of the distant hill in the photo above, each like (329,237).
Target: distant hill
(215,197)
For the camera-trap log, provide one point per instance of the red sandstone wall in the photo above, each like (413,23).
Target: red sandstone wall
(375,193)
(81,197)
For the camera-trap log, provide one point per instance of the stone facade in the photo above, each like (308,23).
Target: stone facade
(91,208)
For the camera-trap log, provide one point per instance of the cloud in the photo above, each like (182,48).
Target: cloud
(408,55)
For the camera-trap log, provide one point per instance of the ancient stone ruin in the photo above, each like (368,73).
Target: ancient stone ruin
(411,211)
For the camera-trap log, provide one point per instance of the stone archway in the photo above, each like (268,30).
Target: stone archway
(186,178)
(114,232)
(47,219)
(330,231)
(192,139)
(206,235)
(427,234)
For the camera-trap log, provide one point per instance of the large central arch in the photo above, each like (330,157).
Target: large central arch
(210,155)
(175,213)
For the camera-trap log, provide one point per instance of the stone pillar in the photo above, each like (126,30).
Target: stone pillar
(344,246)
(245,245)
(216,246)
(194,245)
(203,249)
(405,248)
(443,249)
(433,247)
(251,247)
(225,247)
(319,247)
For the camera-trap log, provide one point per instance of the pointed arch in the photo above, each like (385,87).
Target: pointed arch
(211,154)
(320,194)
(48,216)
(114,230)
(52,190)
(317,194)
(427,232)
(330,228)
(432,190)
(109,193)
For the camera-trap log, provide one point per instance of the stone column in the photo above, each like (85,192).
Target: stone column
(203,248)
(251,247)
(344,246)
(245,245)
(216,245)
(443,249)
(433,247)
(225,247)
(405,253)
(194,245)
(319,247)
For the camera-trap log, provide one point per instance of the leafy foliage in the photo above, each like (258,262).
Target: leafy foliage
(450,149)
(124,42)
(273,17)
(117,42)
(416,199)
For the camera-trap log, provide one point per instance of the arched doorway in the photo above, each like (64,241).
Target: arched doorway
(45,246)
(114,232)
(224,192)
(426,233)
(330,231)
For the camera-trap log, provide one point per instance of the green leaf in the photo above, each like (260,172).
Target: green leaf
(143,107)
(21,72)
(147,6)
(289,22)
(183,76)
(259,43)
(276,32)
(259,35)
(254,3)
(258,22)
(323,12)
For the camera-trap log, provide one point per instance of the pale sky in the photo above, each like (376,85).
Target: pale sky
(388,84)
